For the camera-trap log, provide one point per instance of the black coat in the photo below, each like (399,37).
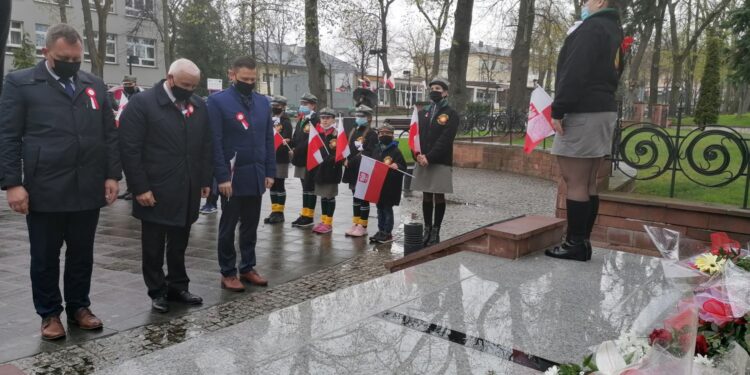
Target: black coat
(68,146)
(369,140)
(284,127)
(437,131)
(166,153)
(329,171)
(299,139)
(589,66)
(394,181)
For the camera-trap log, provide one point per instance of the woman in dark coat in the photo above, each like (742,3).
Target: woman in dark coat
(584,114)
(283,126)
(433,174)
(362,141)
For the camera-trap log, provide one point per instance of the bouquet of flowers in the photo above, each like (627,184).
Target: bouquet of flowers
(696,328)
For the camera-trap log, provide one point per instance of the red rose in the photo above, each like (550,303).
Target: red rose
(701,345)
(661,337)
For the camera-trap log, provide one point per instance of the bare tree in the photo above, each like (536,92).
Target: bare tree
(656,58)
(547,39)
(315,70)
(458,60)
(384,7)
(517,94)
(97,50)
(61,4)
(436,13)
(165,22)
(360,34)
(416,47)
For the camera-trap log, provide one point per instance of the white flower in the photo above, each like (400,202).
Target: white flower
(700,359)
(631,345)
(552,371)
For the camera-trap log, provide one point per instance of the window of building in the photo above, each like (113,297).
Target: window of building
(67,2)
(93,5)
(15,35)
(40,37)
(143,49)
(137,8)
(111,56)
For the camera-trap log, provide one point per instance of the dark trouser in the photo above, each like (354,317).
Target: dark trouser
(246,210)
(47,232)
(154,237)
(385,218)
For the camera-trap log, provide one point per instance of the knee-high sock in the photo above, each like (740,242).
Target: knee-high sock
(427,213)
(356,204)
(439,213)
(364,210)
(578,218)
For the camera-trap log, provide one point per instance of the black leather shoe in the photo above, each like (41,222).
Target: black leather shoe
(589,250)
(304,222)
(426,234)
(570,250)
(160,304)
(185,297)
(275,218)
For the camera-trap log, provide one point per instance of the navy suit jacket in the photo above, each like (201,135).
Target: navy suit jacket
(68,145)
(253,147)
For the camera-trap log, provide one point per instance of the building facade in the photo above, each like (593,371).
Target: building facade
(129,33)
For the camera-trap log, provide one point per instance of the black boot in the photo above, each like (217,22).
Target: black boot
(275,218)
(434,236)
(593,212)
(426,234)
(575,247)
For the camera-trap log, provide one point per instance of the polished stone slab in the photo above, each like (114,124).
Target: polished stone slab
(295,326)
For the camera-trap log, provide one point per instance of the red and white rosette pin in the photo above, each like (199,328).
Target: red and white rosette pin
(189,111)
(92,95)
(241,118)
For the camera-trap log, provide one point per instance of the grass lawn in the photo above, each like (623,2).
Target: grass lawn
(686,189)
(727,120)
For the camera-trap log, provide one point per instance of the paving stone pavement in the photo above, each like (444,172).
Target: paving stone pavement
(300,266)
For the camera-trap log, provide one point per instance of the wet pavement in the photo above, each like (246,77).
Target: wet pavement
(291,259)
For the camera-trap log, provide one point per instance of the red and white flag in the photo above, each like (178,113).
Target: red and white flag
(342,141)
(315,149)
(278,140)
(414,144)
(120,96)
(540,119)
(388,82)
(370,179)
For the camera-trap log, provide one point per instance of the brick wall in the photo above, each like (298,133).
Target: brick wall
(505,158)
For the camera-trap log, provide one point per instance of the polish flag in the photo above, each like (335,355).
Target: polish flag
(123,99)
(370,179)
(414,144)
(278,140)
(388,82)
(342,141)
(315,149)
(540,119)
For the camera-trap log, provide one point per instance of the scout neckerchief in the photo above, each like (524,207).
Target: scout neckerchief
(364,135)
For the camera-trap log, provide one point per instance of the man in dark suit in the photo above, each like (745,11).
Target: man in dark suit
(166,154)
(58,152)
(244,166)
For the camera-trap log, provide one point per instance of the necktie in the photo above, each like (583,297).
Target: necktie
(68,86)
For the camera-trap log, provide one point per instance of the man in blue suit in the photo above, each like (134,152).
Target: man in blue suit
(244,167)
(60,164)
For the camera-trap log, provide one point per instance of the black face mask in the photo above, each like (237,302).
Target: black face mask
(386,140)
(66,69)
(244,88)
(436,96)
(181,94)
(129,89)
(277,111)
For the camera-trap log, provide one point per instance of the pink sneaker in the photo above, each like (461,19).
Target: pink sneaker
(351,231)
(359,231)
(322,228)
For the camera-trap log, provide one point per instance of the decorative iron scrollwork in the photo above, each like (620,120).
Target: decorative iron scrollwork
(646,148)
(713,157)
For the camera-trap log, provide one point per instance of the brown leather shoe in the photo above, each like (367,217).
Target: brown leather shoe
(52,328)
(254,278)
(232,283)
(85,319)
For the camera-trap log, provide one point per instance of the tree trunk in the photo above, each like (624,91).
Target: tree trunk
(254,16)
(653,95)
(635,64)
(316,71)
(102,11)
(518,99)
(458,59)
(166,25)
(436,55)
(384,55)
(678,58)
(88,31)
(63,12)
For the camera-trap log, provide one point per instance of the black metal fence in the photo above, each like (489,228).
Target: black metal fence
(508,125)
(711,156)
